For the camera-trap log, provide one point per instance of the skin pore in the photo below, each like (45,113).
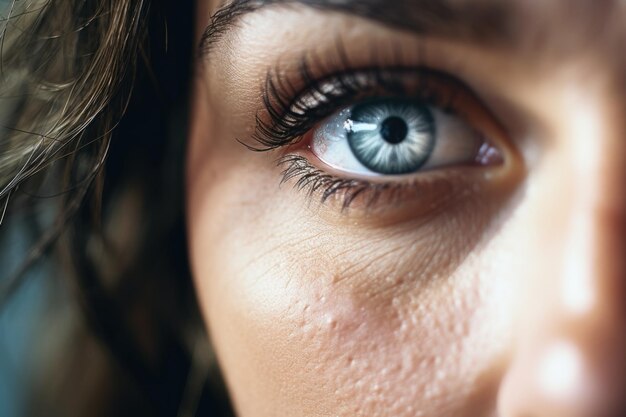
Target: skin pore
(464,289)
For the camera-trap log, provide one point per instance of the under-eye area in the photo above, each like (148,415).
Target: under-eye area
(430,192)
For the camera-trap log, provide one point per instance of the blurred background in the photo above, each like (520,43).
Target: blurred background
(20,313)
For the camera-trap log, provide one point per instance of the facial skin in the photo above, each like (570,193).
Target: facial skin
(485,290)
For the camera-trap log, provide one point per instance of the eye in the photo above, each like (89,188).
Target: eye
(397,136)
(371,135)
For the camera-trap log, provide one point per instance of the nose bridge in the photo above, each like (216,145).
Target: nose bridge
(594,251)
(586,304)
(570,359)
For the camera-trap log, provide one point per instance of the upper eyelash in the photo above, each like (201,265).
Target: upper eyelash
(292,112)
(289,116)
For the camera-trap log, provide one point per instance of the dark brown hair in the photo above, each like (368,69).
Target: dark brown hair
(96,135)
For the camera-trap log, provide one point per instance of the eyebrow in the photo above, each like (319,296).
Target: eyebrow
(481,20)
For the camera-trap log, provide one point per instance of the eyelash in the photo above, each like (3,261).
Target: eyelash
(291,111)
(290,116)
(311,179)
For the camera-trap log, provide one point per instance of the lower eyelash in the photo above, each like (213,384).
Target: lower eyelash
(314,181)
(429,194)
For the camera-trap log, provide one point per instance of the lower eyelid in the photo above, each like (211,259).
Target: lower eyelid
(412,196)
(427,175)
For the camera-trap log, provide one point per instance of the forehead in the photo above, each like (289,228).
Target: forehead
(566,28)
(589,9)
(556,25)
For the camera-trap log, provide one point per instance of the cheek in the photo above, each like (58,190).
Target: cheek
(306,333)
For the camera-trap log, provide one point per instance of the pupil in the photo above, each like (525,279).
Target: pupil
(393,129)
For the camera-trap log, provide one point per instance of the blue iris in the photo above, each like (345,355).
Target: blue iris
(391,136)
